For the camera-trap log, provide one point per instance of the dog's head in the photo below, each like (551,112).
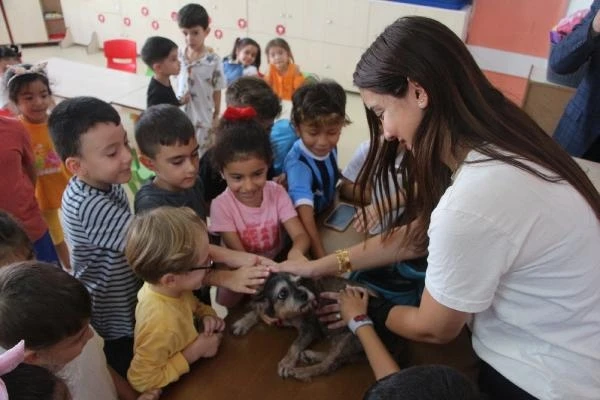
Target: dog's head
(285,296)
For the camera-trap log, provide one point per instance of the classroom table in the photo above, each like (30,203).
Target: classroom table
(70,79)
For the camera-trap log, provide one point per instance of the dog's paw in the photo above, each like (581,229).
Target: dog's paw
(240,328)
(311,357)
(302,374)
(285,367)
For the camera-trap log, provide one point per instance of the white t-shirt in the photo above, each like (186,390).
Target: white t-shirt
(523,255)
(87,376)
(353,168)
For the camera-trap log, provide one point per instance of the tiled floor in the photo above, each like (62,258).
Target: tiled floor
(351,136)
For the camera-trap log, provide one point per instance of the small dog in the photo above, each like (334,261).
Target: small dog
(293,300)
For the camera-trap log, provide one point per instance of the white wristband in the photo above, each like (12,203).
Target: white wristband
(358,321)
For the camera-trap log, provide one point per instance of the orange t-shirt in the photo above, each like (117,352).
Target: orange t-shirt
(284,85)
(52,178)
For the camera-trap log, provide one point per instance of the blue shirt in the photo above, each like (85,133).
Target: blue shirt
(282,138)
(311,179)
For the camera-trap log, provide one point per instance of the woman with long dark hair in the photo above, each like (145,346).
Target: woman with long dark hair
(509,222)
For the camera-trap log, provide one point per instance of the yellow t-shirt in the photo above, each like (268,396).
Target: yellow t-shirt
(52,177)
(164,327)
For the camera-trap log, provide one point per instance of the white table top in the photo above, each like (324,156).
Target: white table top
(135,100)
(70,79)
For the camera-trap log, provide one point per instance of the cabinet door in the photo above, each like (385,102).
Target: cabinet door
(283,18)
(339,63)
(335,21)
(26,21)
(221,40)
(384,13)
(4,38)
(78,19)
(456,20)
(230,14)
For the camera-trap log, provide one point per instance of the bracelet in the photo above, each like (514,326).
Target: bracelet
(343,259)
(358,321)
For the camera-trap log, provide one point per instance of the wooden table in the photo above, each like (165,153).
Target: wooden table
(246,368)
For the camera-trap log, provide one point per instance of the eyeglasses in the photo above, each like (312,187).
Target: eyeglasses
(209,265)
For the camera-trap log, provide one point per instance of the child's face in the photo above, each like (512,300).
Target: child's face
(194,279)
(33,101)
(170,65)
(5,62)
(176,166)
(105,156)
(247,55)
(320,139)
(246,180)
(57,356)
(279,57)
(195,36)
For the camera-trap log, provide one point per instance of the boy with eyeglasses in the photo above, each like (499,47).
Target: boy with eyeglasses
(168,248)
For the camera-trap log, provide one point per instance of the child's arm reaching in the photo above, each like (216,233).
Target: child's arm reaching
(307,216)
(232,241)
(299,237)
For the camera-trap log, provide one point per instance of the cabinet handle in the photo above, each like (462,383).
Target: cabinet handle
(328,21)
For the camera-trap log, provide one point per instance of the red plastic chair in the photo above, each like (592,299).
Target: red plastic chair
(121,54)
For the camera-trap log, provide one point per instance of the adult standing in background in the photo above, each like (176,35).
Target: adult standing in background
(578,130)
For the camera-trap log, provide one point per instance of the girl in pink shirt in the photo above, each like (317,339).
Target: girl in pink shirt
(252,214)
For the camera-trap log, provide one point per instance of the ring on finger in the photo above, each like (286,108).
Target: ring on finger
(338,316)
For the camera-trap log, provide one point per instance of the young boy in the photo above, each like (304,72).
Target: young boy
(165,138)
(160,55)
(54,322)
(202,73)
(168,248)
(88,135)
(318,114)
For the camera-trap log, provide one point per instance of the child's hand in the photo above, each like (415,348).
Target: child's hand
(281,179)
(185,98)
(353,301)
(203,346)
(247,279)
(212,324)
(152,394)
(372,219)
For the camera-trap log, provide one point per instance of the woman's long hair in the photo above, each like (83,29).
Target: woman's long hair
(464,112)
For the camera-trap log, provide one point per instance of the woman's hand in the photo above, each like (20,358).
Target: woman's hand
(301,267)
(353,302)
(329,313)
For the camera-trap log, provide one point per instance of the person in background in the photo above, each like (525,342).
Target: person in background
(9,55)
(14,243)
(29,90)
(17,180)
(243,61)
(578,130)
(318,114)
(489,197)
(160,55)
(201,74)
(284,75)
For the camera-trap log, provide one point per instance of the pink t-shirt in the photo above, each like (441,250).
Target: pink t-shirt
(259,228)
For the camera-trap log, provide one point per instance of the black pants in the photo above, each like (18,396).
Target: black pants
(497,387)
(119,353)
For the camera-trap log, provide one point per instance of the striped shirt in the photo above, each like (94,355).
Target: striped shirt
(95,224)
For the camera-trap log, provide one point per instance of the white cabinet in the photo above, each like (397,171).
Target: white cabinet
(26,21)
(4,37)
(384,13)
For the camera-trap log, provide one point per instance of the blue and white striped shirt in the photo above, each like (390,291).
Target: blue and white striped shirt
(95,224)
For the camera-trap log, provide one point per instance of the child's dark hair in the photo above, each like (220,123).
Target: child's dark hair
(15,82)
(156,49)
(239,140)
(10,52)
(162,125)
(41,304)
(15,245)
(256,93)
(240,43)
(72,118)
(279,42)
(31,382)
(322,102)
(192,15)
(424,382)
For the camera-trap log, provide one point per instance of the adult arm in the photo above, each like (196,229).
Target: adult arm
(577,47)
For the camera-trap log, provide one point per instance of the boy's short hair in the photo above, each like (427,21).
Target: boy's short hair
(256,93)
(156,49)
(41,304)
(15,245)
(424,382)
(73,117)
(192,15)
(32,382)
(164,240)
(10,52)
(320,103)
(162,125)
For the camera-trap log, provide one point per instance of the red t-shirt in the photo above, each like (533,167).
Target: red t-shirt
(17,193)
